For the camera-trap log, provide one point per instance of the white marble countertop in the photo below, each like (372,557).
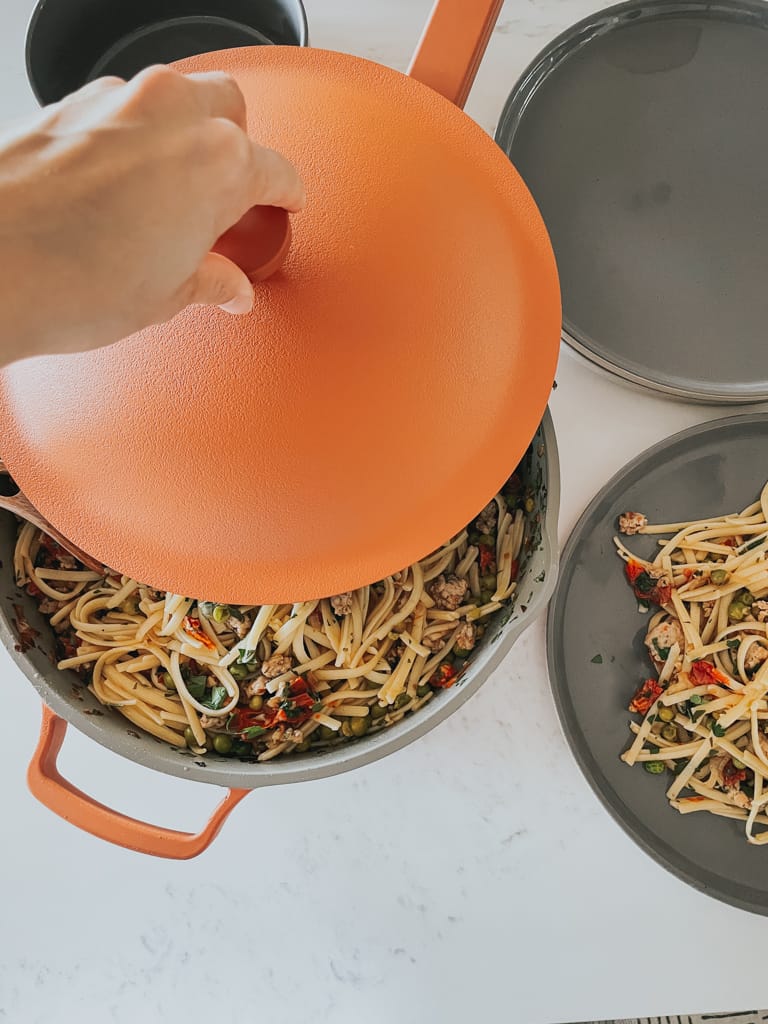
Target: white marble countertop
(441,884)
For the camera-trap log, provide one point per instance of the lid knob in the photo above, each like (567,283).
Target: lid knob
(259,242)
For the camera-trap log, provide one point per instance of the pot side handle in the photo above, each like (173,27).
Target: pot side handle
(60,796)
(452,46)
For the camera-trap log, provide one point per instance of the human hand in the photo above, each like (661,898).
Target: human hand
(111,200)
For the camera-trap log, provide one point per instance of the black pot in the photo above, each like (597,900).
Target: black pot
(71,42)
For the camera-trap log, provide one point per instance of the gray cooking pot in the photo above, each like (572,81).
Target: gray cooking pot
(68,701)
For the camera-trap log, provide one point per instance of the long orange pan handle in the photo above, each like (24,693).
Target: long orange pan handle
(61,797)
(453,44)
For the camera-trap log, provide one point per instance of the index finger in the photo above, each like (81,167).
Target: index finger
(275,181)
(219,95)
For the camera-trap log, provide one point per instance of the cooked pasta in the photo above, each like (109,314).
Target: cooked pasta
(257,682)
(705,712)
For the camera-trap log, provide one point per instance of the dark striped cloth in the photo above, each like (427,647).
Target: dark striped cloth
(745,1017)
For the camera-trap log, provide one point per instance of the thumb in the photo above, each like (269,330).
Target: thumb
(219,282)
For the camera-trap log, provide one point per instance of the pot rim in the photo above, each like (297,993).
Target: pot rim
(38,12)
(234,773)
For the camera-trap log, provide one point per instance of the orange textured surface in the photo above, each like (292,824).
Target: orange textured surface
(389,378)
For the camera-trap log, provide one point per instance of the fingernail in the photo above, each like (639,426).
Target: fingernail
(241,303)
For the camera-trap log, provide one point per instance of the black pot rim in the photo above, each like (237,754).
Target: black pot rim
(39,9)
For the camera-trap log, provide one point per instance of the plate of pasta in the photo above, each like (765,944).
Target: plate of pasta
(658,654)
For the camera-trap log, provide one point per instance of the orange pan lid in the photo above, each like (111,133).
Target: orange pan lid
(390,376)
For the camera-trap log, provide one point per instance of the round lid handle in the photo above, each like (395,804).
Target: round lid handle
(259,242)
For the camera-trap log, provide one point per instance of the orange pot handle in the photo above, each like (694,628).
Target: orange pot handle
(452,46)
(61,797)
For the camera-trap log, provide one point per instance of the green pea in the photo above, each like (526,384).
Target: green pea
(654,767)
(736,611)
(377,711)
(423,689)
(461,652)
(256,702)
(695,698)
(669,732)
(189,737)
(239,672)
(325,733)
(487,540)
(746,597)
(666,714)
(359,726)
(167,679)
(718,577)
(346,728)
(738,765)
(401,700)
(222,744)
(220,612)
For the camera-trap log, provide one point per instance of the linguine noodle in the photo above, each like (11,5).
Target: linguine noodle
(263,681)
(705,712)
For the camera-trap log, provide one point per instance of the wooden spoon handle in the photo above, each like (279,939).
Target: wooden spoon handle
(21,506)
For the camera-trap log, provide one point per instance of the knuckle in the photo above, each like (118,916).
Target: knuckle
(158,80)
(227,134)
(229,147)
(157,73)
(105,82)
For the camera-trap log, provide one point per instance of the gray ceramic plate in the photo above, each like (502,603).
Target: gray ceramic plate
(639,133)
(704,471)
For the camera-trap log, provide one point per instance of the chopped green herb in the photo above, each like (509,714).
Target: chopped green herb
(663,652)
(597,660)
(653,749)
(196,687)
(718,730)
(752,544)
(733,644)
(246,656)
(252,732)
(644,583)
(215,698)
